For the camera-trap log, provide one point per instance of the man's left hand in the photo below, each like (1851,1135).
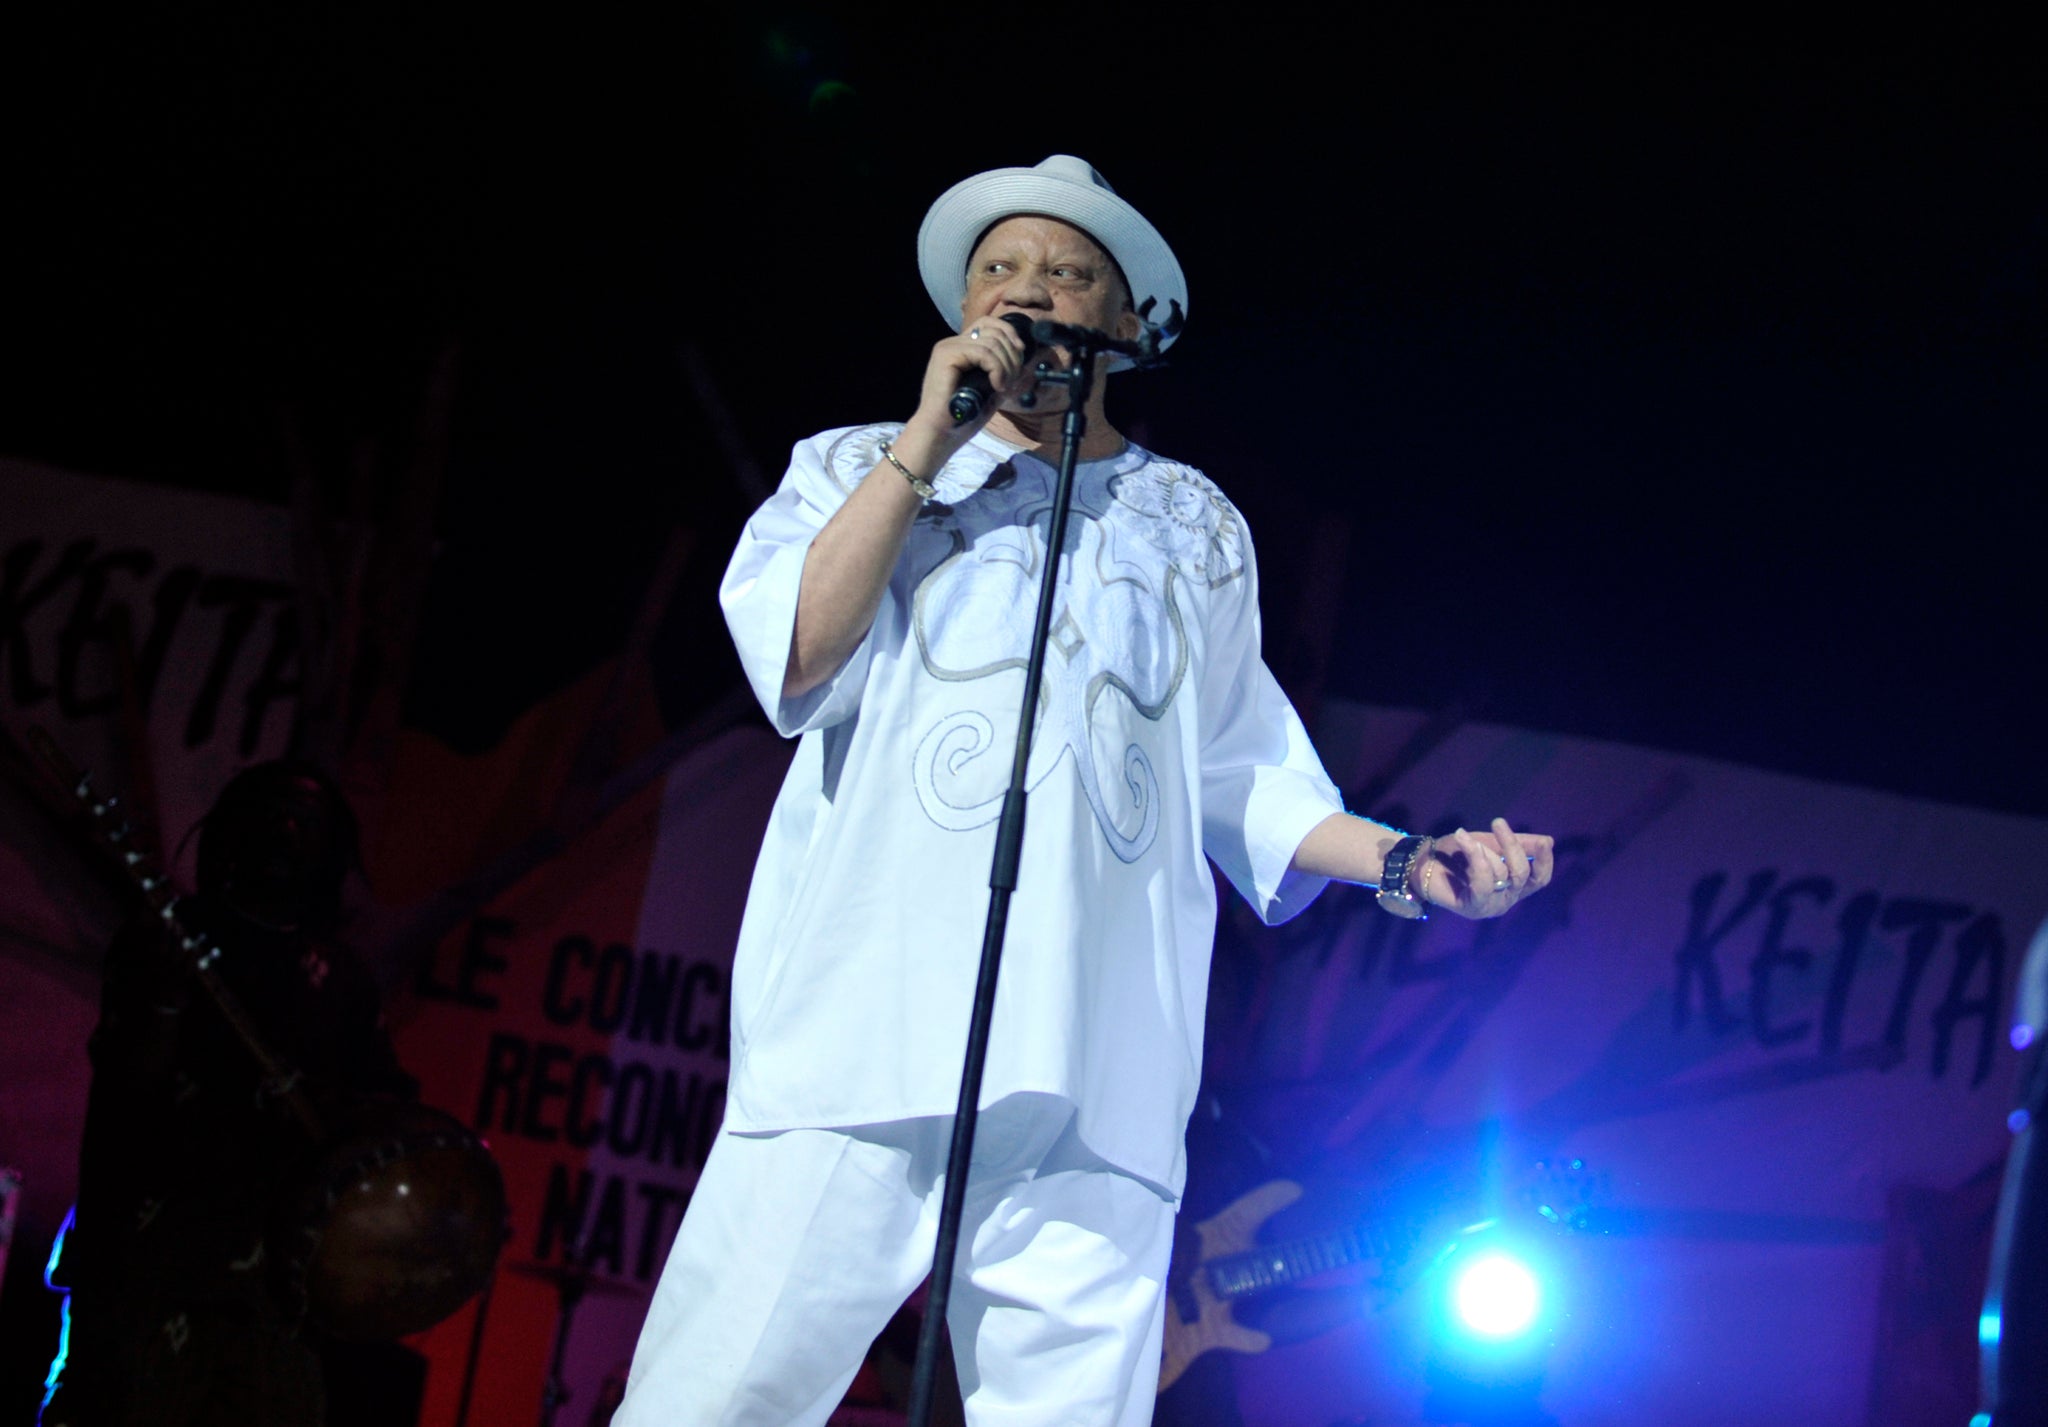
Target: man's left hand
(1482,874)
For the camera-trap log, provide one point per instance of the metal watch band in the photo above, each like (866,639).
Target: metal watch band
(1394,894)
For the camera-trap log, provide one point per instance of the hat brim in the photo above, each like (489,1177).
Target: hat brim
(971,207)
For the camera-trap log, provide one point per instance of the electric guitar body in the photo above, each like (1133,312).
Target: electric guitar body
(1197,1316)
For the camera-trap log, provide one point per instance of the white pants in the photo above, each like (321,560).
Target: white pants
(798,1247)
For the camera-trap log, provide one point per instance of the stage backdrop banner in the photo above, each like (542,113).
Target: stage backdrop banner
(202,584)
(1769,1015)
(580,1022)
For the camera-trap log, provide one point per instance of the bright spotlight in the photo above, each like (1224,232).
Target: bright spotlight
(1497,1297)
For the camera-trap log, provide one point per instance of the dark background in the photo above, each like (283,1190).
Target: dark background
(1680,380)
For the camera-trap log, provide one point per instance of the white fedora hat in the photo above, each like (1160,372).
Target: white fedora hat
(1065,188)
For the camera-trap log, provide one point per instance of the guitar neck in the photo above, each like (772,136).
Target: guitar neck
(198,951)
(1276,1265)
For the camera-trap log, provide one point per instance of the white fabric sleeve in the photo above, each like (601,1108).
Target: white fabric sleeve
(1263,787)
(760,588)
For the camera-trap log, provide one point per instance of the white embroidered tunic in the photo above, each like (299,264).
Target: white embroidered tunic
(1161,737)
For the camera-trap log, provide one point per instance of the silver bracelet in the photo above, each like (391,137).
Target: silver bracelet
(924,488)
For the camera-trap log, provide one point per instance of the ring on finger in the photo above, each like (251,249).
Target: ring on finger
(974,334)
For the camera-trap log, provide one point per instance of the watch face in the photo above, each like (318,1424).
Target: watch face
(1402,905)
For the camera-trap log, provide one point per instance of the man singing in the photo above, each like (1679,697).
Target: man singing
(882,603)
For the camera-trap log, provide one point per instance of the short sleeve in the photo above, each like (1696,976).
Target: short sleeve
(759,592)
(1263,787)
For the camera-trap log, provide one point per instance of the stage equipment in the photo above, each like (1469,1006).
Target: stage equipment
(1083,345)
(2012,1330)
(572,1279)
(1495,1304)
(1493,1286)
(1491,1345)
(1497,1296)
(404,1215)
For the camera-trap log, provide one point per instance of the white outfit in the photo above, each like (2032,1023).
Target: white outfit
(1161,738)
(800,1246)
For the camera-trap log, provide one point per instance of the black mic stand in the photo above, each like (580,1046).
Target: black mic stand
(1078,377)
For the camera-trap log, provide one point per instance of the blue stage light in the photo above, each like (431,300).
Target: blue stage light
(1497,1296)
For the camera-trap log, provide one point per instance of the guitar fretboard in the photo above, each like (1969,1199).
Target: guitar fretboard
(1271,1265)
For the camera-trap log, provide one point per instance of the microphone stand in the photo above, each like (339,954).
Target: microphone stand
(1078,377)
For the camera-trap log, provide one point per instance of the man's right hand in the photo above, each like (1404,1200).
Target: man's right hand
(988,345)
(850,560)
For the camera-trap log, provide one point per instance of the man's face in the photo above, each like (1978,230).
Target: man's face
(1048,270)
(276,848)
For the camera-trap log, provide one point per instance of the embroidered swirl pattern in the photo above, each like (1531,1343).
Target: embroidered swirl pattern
(1118,652)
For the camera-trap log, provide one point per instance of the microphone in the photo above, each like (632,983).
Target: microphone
(974,392)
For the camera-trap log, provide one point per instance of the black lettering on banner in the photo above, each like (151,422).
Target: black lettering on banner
(579,1207)
(19,599)
(654,991)
(1773,955)
(244,599)
(1696,952)
(551,1060)
(504,1066)
(691,1034)
(554,1003)
(1852,931)
(686,1119)
(1922,920)
(476,960)
(562,1209)
(654,999)
(632,1103)
(78,680)
(604,1240)
(1980,945)
(90,627)
(544,1091)
(609,988)
(659,1199)
(273,683)
(585,1131)
(1975,987)
(674,1118)
(168,603)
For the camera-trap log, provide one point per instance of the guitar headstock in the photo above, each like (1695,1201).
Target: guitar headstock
(1562,1191)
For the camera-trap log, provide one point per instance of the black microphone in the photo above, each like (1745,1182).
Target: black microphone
(974,390)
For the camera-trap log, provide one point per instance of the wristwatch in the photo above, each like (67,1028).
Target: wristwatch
(1394,894)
